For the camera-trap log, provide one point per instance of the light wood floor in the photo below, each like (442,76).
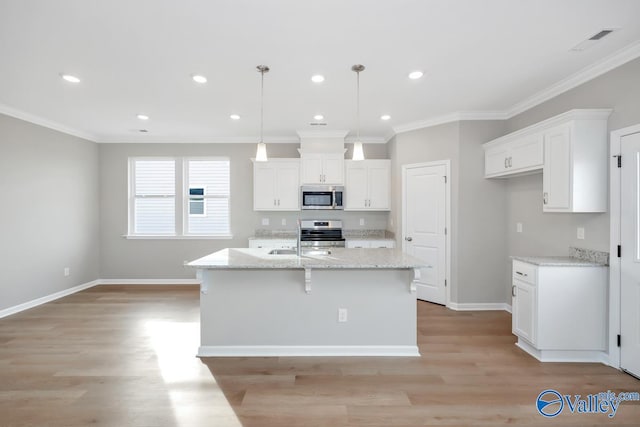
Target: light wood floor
(124,356)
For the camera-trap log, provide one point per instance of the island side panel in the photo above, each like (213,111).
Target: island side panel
(270,308)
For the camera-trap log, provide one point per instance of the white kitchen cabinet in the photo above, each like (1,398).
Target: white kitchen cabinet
(571,150)
(273,243)
(370,243)
(514,156)
(368,185)
(276,185)
(559,312)
(322,168)
(574,178)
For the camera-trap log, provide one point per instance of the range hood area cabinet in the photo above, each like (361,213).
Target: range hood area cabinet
(571,150)
(276,185)
(322,168)
(367,185)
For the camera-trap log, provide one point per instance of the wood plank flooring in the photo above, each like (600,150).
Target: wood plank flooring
(125,356)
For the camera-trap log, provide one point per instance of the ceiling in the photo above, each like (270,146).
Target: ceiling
(481,59)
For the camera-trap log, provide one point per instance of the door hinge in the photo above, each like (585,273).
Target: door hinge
(619,160)
(619,251)
(445,283)
(445,179)
(619,340)
(445,231)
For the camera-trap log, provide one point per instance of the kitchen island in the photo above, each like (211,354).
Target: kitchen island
(351,302)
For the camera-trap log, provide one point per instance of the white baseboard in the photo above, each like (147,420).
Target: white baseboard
(304,350)
(48,298)
(45,299)
(579,356)
(484,306)
(149,282)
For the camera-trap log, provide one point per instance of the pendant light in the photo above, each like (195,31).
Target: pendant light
(261,152)
(358,153)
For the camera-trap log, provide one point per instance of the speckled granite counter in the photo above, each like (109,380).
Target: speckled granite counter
(578,257)
(557,261)
(259,258)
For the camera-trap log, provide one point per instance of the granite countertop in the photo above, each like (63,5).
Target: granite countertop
(558,261)
(258,258)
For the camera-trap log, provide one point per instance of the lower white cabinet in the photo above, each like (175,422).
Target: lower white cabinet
(559,312)
(368,243)
(273,243)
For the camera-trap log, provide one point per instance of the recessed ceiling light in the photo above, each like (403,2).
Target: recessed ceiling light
(414,75)
(317,78)
(199,78)
(385,117)
(234,117)
(70,78)
(318,117)
(142,117)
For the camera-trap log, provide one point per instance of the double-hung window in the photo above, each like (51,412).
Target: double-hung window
(179,197)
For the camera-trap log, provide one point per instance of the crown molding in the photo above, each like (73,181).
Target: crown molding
(156,139)
(449,118)
(37,120)
(621,57)
(322,133)
(366,140)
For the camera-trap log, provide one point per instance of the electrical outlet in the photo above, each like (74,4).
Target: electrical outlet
(342,315)
(284,221)
(67,271)
(581,233)
(265,221)
(361,221)
(519,227)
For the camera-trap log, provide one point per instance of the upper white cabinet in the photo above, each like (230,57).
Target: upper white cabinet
(276,185)
(514,157)
(368,185)
(571,150)
(322,168)
(574,178)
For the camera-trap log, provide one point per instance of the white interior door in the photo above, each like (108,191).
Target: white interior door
(424,222)
(630,255)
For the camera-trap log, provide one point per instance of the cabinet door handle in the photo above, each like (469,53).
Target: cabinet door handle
(545,198)
(408,239)
(522,274)
(278,202)
(510,161)
(274,202)
(505,162)
(513,290)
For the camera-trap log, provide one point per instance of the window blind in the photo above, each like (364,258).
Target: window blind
(207,196)
(154,194)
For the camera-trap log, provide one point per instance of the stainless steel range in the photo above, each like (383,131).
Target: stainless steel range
(315,233)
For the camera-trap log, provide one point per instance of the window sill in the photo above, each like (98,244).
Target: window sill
(185,237)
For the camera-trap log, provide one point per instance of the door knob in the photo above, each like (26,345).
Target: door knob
(408,239)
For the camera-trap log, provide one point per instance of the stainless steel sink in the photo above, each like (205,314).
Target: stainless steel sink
(282,252)
(316,252)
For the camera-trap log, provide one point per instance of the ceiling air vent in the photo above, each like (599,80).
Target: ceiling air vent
(317,124)
(584,45)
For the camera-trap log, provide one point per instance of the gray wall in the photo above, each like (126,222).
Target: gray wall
(49,218)
(420,146)
(163,259)
(548,233)
(478,210)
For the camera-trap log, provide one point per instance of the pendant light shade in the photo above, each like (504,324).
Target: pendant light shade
(358,152)
(261,151)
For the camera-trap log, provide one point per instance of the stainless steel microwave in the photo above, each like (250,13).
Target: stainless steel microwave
(321,197)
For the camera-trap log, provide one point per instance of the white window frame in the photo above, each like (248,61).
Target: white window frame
(187,186)
(181,200)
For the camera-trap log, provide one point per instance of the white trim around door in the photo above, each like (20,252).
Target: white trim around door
(614,241)
(447,165)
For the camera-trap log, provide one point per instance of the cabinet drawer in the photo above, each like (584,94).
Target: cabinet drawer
(525,272)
